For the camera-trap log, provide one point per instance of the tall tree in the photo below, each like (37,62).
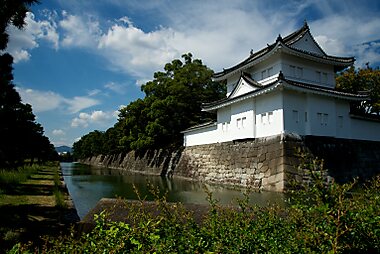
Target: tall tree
(21,137)
(12,12)
(172,103)
(362,80)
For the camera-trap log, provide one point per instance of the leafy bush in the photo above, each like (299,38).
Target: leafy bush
(319,218)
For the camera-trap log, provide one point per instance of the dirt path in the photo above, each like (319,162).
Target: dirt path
(28,210)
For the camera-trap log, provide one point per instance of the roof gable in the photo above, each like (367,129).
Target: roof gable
(308,44)
(244,85)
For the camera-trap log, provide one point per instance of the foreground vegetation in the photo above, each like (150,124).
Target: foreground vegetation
(319,218)
(32,204)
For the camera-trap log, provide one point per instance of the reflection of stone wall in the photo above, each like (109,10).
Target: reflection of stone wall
(265,163)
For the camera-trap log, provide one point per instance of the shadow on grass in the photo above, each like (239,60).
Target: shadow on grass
(30,190)
(24,222)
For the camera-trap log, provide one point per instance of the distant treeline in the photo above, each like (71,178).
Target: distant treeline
(172,103)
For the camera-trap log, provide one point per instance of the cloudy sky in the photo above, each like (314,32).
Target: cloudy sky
(78,61)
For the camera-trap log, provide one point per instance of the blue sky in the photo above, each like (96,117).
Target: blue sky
(78,61)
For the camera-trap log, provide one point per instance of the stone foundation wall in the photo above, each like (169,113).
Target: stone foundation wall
(156,162)
(258,162)
(265,163)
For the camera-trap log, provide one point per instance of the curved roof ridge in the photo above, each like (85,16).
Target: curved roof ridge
(248,78)
(287,41)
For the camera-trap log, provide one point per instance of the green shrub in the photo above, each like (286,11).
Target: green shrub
(319,218)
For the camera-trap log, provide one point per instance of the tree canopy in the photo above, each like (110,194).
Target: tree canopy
(21,136)
(362,80)
(172,103)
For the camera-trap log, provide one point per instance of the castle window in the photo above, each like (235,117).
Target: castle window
(295,116)
(324,78)
(224,127)
(264,74)
(323,119)
(270,71)
(305,117)
(270,117)
(299,72)
(292,71)
(263,118)
(318,76)
(238,123)
(243,121)
(340,121)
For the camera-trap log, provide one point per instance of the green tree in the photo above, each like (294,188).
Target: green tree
(21,137)
(172,103)
(12,12)
(89,145)
(362,80)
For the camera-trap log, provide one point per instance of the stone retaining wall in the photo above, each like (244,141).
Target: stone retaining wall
(258,162)
(265,163)
(156,162)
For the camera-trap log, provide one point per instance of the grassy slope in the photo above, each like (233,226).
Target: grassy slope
(29,210)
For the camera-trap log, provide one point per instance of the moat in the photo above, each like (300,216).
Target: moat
(87,185)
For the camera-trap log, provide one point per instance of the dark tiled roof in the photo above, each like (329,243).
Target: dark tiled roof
(200,126)
(288,41)
(228,100)
(289,84)
(324,90)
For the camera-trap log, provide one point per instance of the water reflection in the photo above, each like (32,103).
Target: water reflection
(87,185)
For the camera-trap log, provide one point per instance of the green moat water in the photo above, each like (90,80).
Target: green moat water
(87,185)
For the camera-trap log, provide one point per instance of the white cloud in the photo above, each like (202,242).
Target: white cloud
(349,35)
(116,87)
(78,31)
(221,33)
(94,92)
(21,41)
(131,50)
(96,117)
(79,103)
(47,101)
(58,132)
(40,100)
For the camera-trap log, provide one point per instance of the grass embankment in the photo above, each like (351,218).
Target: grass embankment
(33,203)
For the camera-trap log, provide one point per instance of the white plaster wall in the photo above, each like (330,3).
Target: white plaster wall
(265,104)
(224,117)
(322,105)
(208,135)
(242,120)
(271,67)
(365,129)
(343,119)
(295,108)
(309,69)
